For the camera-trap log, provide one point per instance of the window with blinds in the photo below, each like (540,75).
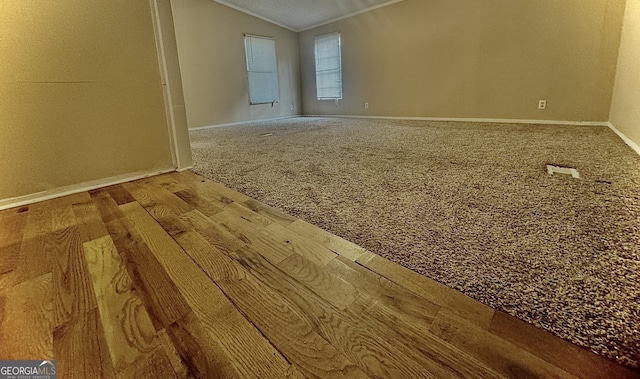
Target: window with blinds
(328,67)
(262,69)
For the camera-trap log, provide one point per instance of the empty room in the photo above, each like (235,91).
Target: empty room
(304,188)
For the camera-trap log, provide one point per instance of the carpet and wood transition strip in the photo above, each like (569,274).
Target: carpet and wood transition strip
(179,276)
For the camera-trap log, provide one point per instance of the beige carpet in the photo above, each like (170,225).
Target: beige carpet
(468,204)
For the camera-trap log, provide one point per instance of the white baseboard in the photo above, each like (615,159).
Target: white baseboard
(184,168)
(80,187)
(241,123)
(496,120)
(626,139)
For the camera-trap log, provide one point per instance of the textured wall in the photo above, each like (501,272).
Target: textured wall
(214,76)
(625,107)
(474,58)
(80,93)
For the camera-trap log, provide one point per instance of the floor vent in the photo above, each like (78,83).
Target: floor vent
(563,170)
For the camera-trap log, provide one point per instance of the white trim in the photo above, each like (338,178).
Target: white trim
(350,15)
(626,139)
(166,87)
(241,123)
(181,169)
(496,120)
(255,15)
(80,187)
(309,27)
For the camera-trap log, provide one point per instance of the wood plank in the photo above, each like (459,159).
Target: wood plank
(169,182)
(188,177)
(62,217)
(72,199)
(90,219)
(140,193)
(398,301)
(573,359)
(246,217)
(34,256)
(210,194)
(211,260)
(302,246)
(504,357)
(119,194)
(294,373)
(272,239)
(39,220)
(153,365)
(371,345)
(203,356)
(11,232)
(73,292)
(224,192)
(10,212)
(275,317)
(61,208)
(26,320)
(437,293)
(332,289)
(157,200)
(443,358)
(34,259)
(12,225)
(153,285)
(256,220)
(275,215)
(332,242)
(9,256)
(295,337)
(81,348)
(263,242)
(190,197)
(211,191)
(244,347)
(107,207)
(215,233)
(129,333)
(180,369)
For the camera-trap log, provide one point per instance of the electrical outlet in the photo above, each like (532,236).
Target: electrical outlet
(291,107)
(542,104)
(366,105)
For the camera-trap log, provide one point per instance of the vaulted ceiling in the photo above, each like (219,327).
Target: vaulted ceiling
(299,15)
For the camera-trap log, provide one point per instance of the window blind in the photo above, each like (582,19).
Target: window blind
(328,67)
(262,69)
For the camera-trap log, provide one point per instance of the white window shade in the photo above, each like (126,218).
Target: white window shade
(328,67)
(262,69)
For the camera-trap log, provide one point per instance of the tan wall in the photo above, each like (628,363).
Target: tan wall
(474,58)
(80,93)
(625,107)
(214,76)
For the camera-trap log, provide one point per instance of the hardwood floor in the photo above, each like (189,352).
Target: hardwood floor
(178,276)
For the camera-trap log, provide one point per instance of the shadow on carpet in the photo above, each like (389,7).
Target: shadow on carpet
(470,205)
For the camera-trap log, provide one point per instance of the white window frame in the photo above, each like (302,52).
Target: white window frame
(324,92)
(262,69)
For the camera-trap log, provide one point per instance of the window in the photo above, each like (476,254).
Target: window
(262,69)
(328,67)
